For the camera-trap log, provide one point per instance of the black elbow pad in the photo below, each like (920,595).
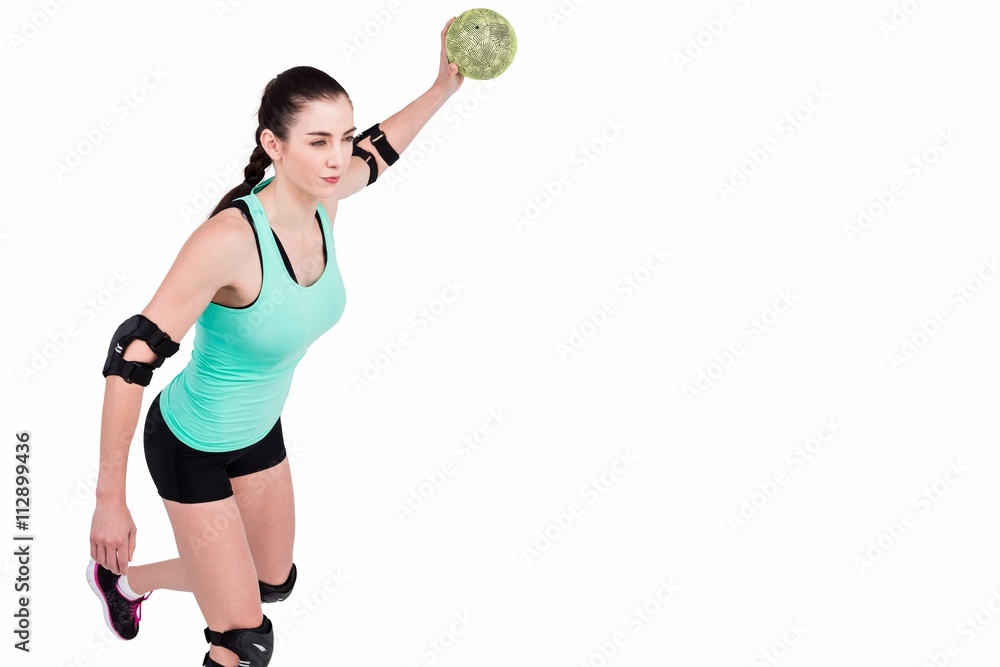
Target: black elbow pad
(137,372)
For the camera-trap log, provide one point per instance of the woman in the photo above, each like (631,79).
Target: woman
(260,280)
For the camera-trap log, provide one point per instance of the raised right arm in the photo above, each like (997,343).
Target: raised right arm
(208,261)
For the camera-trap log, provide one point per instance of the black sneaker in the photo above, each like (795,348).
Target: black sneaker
(121,614)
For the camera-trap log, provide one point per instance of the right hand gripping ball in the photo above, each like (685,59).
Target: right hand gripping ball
(482,43)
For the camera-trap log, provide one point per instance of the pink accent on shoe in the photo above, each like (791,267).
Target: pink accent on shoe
(135,605)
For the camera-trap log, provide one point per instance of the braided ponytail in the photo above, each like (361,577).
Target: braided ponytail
(283,99)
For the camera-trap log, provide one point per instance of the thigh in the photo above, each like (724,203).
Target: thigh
(267,506)
(216,558)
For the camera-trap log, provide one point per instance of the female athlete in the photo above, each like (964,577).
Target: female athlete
(259,280)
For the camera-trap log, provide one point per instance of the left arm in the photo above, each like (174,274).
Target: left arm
(403,126)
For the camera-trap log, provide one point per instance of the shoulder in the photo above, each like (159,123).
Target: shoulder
(227,223)
(224,239)
(228,226)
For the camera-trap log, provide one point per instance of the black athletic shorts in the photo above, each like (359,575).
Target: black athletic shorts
(187,475)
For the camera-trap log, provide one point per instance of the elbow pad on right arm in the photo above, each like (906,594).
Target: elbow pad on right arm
(138,372)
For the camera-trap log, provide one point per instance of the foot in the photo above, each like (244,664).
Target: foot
(121,614)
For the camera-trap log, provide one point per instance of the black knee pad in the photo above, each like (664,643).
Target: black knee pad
(269,593)
(253,646)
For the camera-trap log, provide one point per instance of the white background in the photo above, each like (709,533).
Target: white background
(663,135)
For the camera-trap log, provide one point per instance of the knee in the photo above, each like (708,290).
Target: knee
(253,646)
(271,593)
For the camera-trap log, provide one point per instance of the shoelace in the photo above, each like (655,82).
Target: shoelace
(136,608)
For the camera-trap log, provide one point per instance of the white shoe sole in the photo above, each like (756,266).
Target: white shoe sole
(92,580)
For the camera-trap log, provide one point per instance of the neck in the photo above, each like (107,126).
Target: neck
(286,206)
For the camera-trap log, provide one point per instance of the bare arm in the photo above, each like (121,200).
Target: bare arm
(403,126)
(207,262)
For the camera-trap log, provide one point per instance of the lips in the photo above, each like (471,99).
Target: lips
(332,179)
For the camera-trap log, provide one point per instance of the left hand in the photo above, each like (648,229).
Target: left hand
(448,78)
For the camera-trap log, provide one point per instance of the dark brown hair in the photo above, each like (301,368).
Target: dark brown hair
(284,97)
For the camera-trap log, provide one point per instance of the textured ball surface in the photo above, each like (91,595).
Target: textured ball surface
(482,43)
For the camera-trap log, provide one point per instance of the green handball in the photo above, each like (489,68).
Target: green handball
(482,43)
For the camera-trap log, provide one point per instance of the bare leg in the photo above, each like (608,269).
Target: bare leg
(268,510)
(220,570)
(168,574)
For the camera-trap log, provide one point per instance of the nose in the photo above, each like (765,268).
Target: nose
(339,156)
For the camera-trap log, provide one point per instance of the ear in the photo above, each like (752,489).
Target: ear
(271,145)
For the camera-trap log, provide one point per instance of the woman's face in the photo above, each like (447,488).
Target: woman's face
(319,146)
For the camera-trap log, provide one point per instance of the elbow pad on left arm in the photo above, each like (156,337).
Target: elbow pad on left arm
(381,144)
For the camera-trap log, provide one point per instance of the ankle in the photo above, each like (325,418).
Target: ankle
(131,588)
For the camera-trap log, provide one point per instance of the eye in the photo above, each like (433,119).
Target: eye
(318,142)
(349,139)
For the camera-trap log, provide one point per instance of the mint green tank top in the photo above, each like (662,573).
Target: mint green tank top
(232,391)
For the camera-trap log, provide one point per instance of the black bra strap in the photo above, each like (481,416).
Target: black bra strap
(242,205)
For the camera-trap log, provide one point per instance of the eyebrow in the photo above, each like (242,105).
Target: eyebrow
(327,134)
